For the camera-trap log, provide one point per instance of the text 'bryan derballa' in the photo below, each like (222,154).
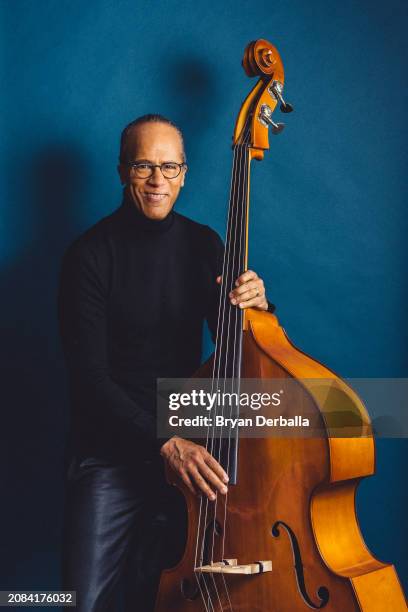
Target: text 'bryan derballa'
(221,421)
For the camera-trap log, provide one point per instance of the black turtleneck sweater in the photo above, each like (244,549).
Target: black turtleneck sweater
(133,297)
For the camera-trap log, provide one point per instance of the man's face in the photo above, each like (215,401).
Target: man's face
(155,143)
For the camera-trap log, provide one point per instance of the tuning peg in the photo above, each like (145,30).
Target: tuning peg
(286,107)
(277,128)
(276,91)
(265,117)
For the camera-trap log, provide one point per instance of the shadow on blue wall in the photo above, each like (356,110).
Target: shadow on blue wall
(34,410)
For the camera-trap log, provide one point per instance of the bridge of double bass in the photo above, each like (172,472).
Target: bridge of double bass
(230,566)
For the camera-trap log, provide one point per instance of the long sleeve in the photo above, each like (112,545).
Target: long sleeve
(82,310)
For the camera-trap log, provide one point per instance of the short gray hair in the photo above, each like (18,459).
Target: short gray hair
(150,118)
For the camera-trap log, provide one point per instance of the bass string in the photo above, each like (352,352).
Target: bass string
(237,344)
(199,554)
(224,350)
(234,203)
(221,319)
(233,269)
(232,344)
(236,314)
(221,311)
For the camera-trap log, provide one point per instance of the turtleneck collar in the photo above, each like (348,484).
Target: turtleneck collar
(137,219)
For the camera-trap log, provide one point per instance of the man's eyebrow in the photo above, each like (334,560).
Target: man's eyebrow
(147,161)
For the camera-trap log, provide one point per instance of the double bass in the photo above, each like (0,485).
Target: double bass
(286,538)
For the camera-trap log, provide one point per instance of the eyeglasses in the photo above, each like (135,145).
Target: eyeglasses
(169,170)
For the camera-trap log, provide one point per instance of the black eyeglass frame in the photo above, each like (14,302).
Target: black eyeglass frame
(152,166)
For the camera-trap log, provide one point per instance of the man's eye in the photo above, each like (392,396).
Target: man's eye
(170,167)
(143,166)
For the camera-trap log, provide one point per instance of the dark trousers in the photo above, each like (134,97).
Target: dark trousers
(122,526)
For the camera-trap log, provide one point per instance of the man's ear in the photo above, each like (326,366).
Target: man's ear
(122,171)
(184,176)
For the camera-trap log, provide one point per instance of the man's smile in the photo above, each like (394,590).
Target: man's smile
(152,196)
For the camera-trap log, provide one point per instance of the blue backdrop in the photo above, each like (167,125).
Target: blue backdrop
(328,224)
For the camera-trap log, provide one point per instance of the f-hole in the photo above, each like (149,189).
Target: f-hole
(322,592)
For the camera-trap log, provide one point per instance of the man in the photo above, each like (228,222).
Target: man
(134,292)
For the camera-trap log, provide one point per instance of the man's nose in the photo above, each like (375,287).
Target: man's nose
(157,177)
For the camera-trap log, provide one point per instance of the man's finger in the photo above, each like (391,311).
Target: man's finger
(255,284)
(257,301)
(247,295)
(212,477)
(202,483)
(215,466)
(186,479)
(246,276)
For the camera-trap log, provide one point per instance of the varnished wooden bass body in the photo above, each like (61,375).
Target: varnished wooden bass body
(294,504)
(294,499)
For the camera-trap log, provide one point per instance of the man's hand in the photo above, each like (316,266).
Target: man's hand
(249,291)
(197,468)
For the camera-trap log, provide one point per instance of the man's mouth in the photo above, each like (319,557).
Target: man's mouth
(154,197)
